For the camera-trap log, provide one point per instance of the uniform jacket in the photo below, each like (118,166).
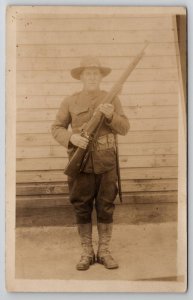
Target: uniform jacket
(78,109)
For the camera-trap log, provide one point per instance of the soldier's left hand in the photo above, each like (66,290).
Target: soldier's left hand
(107,109)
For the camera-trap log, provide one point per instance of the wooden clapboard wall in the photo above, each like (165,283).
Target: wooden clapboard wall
(48,46)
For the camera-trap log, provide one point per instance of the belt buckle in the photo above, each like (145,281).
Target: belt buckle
(105,142)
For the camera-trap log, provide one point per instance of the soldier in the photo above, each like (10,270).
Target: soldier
(97,183)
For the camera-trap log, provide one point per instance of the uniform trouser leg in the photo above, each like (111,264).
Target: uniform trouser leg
(82,194)
(105,196)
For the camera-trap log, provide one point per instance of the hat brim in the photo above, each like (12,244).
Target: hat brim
(76,72)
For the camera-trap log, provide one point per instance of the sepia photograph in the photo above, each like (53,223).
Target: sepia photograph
(96,149)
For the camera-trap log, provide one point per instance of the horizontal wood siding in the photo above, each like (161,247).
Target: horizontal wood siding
(48,47)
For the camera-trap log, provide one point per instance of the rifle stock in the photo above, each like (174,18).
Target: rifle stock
(74,165)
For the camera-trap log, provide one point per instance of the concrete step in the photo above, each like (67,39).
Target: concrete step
(124,214)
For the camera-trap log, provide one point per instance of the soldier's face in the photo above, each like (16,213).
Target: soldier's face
(91,79)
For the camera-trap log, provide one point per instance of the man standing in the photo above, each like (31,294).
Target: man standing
(97,183)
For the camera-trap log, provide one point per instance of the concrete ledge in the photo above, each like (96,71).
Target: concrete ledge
(124,214)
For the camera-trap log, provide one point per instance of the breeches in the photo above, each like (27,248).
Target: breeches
(88,189)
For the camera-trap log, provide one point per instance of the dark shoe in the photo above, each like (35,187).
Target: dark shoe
(85,262)
(107,261)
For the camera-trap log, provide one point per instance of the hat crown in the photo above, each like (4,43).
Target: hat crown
(90,61)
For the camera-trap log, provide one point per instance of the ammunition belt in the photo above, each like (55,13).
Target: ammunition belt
(105,142)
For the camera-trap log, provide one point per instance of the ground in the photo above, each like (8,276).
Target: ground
(143,251)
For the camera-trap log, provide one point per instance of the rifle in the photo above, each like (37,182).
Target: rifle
(80,155)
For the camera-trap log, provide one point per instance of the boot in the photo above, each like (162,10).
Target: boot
(88,256)
(103,255)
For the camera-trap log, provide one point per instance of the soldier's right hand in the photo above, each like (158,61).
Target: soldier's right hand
(79,141)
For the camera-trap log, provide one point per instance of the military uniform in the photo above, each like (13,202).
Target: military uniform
(97,183)
(100,183)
